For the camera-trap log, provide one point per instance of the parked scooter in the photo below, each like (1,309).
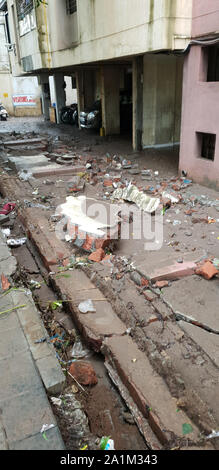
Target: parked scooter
(69,114)
(3,113)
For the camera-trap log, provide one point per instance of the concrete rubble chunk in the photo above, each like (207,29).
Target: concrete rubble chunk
(132,194)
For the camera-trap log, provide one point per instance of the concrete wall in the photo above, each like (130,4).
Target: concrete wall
(10,86)
(200,114)
(6,92)
(205,17)
(103,30)
(162,97)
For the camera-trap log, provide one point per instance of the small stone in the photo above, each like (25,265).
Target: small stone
(136,278)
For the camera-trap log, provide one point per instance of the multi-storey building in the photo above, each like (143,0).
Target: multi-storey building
(124,52)
(199,152)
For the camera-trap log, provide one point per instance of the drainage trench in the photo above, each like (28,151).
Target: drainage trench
(88,412)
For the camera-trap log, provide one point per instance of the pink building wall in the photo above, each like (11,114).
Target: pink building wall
(200,109)
(205,17)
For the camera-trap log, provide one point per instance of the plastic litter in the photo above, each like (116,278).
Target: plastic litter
(213,435)
(56,401)
(25,175)
(7,208)
(35,284)
(46,427)
(107,444)
(16,241)
(173,199)
(79,351)
(6,232)
(86,306)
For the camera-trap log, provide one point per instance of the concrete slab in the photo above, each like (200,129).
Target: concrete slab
(17,376)
(209,342)
(24,416)
(10,348)
(147,388)
(27,162)
(56,170)
(3,441)
(18,142)
(95,326)
(197,298)
(51,374)
(37,442)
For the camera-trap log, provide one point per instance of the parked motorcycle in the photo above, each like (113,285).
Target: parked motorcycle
(69,114)
(3,113)
(91,117)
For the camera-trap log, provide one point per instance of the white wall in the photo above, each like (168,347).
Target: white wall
(103,30)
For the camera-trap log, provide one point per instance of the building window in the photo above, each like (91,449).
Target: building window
(71,6)
(24,7)
(213,64)
(207,143)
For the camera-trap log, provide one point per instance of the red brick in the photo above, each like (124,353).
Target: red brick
(144,282)
(97,255)
(161,284)
(174,271)
(107,183)
(51,249)
(83,372)
(88,245)
(207,270)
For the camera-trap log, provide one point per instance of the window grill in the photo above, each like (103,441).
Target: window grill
(71,6)
(207,145)
(24,7)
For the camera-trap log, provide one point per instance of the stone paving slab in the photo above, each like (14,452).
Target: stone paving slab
(8,262)
(54,441)
(24,415)
(97,325)
(24,406)
(17,375)
(209,342)
(12,343)
(147,389)
(52,376)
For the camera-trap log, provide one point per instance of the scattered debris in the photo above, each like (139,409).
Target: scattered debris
(79,351)
(5,282)
(16,241)
(213,435)
(207,270)
(56,401)
(86,306)
(107,444)
(97,255)
(7,208)
(142,201)
(6,232)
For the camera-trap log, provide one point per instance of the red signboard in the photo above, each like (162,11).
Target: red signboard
(24,100)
